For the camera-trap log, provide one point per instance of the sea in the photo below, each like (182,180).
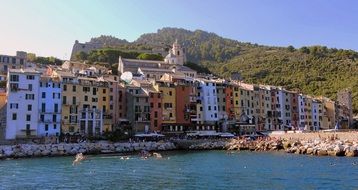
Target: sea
(183,170)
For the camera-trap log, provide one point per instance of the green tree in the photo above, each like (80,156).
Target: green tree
(147,56)
(81,56)
(291,49)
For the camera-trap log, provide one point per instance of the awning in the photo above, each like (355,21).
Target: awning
(149,135)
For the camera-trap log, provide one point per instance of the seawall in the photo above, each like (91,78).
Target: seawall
(63,149)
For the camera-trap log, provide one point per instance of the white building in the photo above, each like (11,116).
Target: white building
(208,97)
(50,105)
(22,105)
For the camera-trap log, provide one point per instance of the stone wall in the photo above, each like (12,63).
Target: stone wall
(37,150)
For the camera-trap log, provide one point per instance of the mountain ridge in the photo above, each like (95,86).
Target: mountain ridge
(315,70)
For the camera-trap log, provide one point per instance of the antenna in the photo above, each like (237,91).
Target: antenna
(127,77)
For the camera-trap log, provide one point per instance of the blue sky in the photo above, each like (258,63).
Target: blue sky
(49,27)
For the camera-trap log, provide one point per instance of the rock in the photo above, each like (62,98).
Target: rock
(286,145)
(322,153)
(8,152)
(351,153)
(309,151)
(45,152)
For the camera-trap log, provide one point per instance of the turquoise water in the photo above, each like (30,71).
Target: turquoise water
(183,170)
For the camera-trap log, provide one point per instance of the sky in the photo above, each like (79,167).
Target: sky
(50,28)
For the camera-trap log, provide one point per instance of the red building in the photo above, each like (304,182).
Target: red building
(156,115)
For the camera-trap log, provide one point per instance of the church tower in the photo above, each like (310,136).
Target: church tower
(176,55)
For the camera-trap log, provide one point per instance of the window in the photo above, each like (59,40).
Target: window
(104,91)
(104,98)
(43,95)
(14,87)
(29,107)
(46,127)
(54,118)
(14,78)
(170,93)
(209,108)
(29,96)
(159,105)
(73,100)
(54,126)
(30,87)
(151,104)
(137,99)
(14,116)
(155,114)
(110,98)
(14,106)
(43,107)
(30,77)
(56,108)
(64,100)
(86,98)
(42,118)
(73,88)
(28,117)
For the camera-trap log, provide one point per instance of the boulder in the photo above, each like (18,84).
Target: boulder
(309,150)
(322,153)
(351,153)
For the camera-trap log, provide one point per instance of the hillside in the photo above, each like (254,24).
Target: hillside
(315,70)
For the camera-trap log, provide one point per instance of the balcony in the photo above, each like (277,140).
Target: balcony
(49,112)
(48,121)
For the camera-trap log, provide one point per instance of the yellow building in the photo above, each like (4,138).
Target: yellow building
(236,99)
(167,90)
(329,113)
(85,105)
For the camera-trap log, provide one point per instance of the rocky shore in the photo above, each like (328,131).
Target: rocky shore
(62,149)
(318,147)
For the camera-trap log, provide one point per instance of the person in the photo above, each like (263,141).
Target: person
(157,155)
(79,157)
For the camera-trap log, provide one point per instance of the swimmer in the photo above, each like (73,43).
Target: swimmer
(157,155)
(78,159)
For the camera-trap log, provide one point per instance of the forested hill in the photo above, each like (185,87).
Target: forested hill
(315,70)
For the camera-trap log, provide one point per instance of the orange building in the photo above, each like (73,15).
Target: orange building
(183,103)
(229,102)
